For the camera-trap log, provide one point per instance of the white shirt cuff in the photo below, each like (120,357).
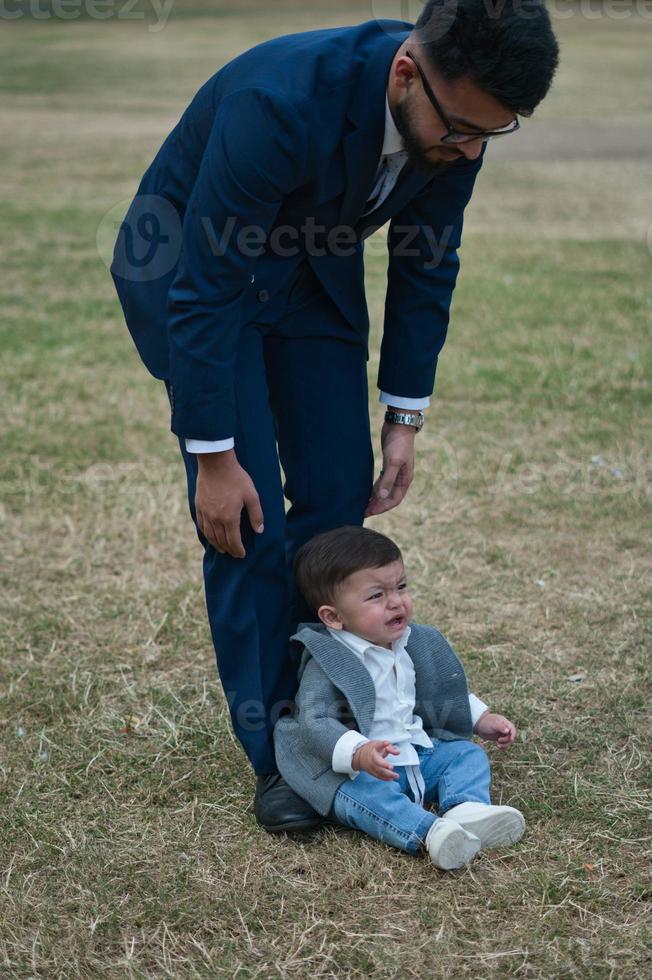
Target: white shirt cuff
(343,752)
(407,403)
(201,446)
(477,707)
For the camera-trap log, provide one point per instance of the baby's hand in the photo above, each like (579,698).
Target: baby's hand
(371,758)
(495,728)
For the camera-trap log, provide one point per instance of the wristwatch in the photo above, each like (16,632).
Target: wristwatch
(405,418)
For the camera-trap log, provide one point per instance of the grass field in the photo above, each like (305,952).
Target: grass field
(128,843)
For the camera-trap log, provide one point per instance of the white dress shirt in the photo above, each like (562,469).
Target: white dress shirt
(392,673)
(392,160)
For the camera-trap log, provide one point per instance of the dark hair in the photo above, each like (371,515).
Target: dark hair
(323,563)
(508,48)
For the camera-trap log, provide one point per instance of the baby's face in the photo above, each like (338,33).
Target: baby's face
(373,603)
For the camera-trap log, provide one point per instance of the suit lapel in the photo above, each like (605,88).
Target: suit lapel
(344,669)
(423,679)
(363,142)
(362,152)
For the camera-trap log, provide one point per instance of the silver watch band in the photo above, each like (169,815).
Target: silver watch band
(405,418)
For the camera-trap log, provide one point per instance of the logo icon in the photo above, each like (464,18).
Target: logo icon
(143,244)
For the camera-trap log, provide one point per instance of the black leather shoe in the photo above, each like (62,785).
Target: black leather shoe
(279,810)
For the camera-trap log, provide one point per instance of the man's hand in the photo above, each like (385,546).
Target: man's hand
(397,443)
(495,728)
(223,489)
(370,757)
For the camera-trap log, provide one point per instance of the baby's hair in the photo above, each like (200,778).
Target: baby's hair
(323,563)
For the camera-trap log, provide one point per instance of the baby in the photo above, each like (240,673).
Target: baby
(383,719)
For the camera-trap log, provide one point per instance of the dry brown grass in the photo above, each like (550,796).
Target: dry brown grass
(129,847)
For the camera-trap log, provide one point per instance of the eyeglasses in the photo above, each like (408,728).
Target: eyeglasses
(453,136)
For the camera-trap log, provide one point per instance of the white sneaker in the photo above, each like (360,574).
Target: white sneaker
(450,846)
(494,825)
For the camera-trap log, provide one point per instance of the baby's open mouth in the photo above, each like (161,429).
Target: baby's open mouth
(396,621)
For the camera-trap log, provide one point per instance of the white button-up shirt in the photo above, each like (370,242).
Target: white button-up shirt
(394,679)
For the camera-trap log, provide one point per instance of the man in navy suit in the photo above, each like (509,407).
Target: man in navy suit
(239,267)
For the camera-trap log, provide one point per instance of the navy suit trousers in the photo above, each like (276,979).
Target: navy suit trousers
(302,404)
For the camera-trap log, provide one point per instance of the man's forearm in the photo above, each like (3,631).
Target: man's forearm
(216,460)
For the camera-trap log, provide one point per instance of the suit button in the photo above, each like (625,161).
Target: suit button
(263,296)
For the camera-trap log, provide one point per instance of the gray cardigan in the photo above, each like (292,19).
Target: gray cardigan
(336,694)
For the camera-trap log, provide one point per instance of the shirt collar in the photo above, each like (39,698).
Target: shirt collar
(360,645)
(393,141)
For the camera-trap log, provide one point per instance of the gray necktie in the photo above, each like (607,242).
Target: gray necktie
(386,177)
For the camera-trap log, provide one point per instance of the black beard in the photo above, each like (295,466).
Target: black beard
(417,158)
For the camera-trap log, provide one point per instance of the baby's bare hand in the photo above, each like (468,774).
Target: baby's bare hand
(495,728)
(371,758)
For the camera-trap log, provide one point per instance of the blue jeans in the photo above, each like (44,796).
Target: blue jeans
(453,772)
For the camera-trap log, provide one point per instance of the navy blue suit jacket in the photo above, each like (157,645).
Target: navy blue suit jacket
(272,163)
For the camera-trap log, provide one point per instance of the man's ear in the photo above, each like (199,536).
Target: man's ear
(330,617)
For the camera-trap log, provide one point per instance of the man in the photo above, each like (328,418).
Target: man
(239,267)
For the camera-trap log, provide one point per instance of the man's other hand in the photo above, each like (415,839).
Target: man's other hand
(223,489)
(397,443)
